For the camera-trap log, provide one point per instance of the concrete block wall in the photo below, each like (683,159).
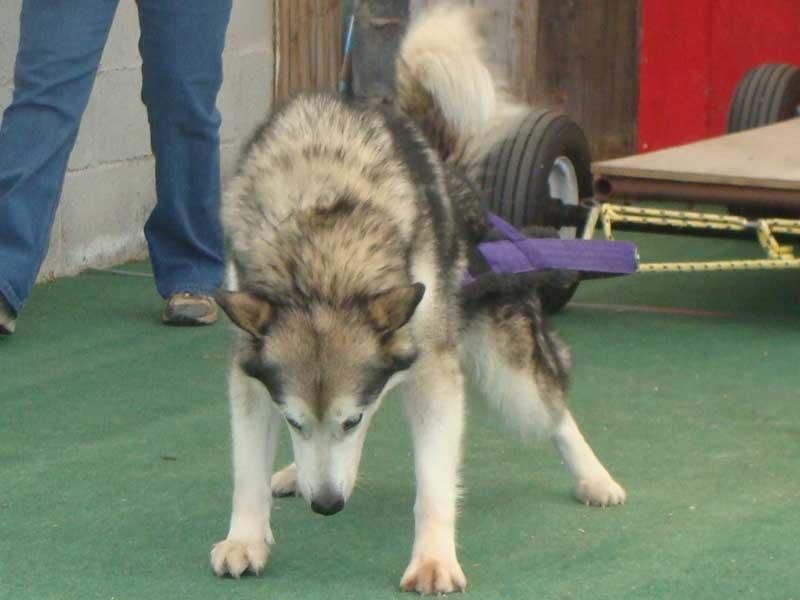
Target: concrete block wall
(109,189)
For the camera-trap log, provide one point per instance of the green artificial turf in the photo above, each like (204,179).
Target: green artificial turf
(114,455)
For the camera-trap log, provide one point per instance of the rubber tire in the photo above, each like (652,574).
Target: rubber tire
(515,175)
(766,94)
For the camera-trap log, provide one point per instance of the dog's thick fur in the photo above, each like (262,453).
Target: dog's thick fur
(348,230)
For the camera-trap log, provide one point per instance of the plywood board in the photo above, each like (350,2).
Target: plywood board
(767,157)
(580,57)
(587,64)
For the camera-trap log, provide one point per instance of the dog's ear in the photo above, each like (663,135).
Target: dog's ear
(247,311)
(393,308)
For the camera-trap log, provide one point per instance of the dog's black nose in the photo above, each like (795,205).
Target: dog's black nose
(327,504)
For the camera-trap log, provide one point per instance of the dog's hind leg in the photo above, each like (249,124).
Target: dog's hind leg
(594,485)
(284,482)
(521,367)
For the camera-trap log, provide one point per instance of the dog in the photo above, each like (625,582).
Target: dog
(349,229)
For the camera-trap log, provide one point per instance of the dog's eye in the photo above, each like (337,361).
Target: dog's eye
(294,424)
(352,423)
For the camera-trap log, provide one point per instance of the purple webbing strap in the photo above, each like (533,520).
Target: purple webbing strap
(518,254)
(506,228)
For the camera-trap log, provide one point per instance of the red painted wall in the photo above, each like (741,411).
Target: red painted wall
(693,53)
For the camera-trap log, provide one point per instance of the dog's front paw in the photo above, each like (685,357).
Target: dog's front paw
(599,491)
(236,556)
(428,576)
(284,482)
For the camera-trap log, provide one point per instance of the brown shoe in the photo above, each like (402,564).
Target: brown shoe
(8,321)
(187,309)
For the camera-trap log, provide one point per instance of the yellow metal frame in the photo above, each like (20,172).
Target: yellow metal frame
(778,256)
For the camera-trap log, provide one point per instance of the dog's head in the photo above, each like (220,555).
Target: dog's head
(327,369)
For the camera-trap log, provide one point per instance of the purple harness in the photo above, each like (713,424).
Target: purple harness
(519,254)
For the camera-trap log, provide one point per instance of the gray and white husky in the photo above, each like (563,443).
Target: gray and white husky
(348,230)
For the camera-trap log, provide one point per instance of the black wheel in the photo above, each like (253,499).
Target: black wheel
(765,95)
(547,159)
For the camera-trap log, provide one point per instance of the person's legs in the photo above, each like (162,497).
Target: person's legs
(181,46)
(59,51)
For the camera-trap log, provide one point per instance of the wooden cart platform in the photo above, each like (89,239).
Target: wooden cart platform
(756,168)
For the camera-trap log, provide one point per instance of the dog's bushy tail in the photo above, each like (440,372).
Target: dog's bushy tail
(446,85)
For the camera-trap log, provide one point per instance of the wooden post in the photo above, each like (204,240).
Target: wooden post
(380,25)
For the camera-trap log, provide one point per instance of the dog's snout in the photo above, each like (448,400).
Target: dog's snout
(327,503)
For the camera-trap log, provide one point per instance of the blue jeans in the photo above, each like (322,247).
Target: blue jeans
(61,42)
